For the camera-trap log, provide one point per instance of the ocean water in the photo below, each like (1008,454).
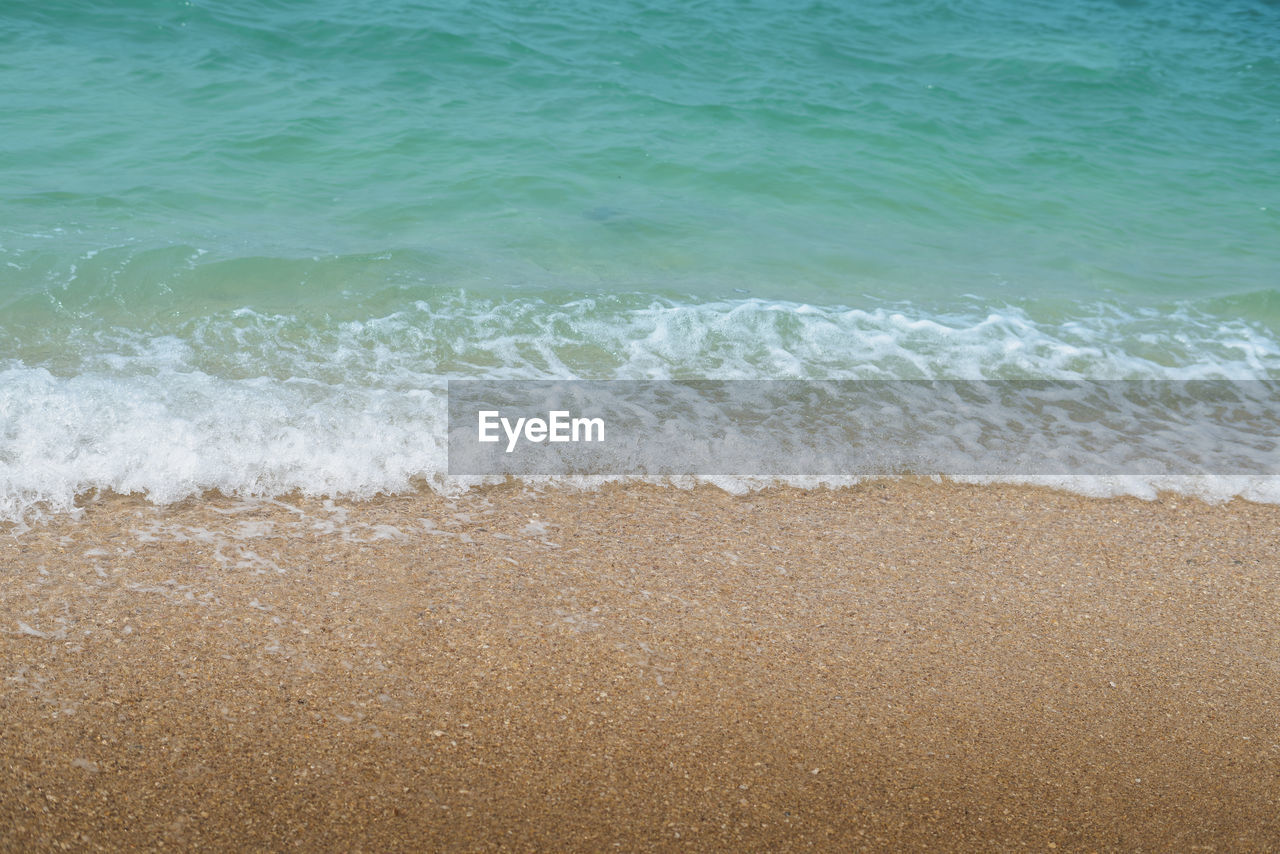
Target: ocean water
(244,244)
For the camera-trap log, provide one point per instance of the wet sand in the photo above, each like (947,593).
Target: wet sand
(898,666)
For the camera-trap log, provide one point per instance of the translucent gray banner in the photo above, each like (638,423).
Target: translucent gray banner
(923,427)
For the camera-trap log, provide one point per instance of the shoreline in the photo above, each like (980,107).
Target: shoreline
(894,665)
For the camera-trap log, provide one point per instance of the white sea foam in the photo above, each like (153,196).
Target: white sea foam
(263,404)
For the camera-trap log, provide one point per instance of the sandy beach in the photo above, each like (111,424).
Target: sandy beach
(896,666)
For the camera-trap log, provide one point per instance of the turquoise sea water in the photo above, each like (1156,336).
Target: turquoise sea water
(243,244)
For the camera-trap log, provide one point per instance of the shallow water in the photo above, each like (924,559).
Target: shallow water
(243,245)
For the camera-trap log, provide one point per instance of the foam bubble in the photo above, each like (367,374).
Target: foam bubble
(253,403)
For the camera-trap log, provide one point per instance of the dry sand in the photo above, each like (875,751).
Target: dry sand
(899,666)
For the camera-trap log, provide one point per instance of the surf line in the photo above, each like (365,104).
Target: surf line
(558,426)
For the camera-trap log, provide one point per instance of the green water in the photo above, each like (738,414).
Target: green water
(236,196)
(818,151)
